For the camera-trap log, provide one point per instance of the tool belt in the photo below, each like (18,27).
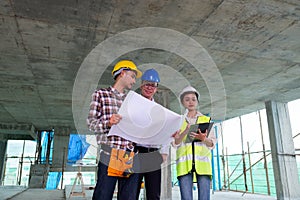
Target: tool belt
(120,162)
(141,149)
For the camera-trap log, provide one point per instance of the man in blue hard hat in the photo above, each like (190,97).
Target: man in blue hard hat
(150,157)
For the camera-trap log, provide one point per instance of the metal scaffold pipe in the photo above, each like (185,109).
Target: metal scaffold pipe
(243,156)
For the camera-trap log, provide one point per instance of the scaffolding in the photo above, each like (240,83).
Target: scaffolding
(249,171)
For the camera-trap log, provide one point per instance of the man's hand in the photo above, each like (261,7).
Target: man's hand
(176,134)
(115,118)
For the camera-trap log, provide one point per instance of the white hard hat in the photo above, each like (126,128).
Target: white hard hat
(189,89)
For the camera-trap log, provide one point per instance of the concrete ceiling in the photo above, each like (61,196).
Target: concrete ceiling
(254,46)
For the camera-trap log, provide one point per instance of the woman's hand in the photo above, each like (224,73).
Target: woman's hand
(179,136)
(199,136)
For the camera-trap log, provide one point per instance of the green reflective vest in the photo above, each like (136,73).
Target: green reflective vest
(184,154)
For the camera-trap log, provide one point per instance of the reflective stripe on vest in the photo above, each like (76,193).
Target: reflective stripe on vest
(184,155)
(190,157)
(184,168)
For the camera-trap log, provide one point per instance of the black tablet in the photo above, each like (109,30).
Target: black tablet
(202,127)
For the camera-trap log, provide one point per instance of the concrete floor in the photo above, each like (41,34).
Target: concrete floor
(21,193)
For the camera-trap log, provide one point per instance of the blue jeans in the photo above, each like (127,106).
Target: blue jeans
(186,186)
(105,187)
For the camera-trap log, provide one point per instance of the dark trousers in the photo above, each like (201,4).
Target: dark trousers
(104,190)
(148,166)
(152,184)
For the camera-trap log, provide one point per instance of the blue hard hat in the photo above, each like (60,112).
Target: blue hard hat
(151,75)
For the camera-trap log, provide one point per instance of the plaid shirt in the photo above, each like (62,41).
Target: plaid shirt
(106,102)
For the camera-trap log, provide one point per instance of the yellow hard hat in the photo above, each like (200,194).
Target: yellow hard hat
(125,64)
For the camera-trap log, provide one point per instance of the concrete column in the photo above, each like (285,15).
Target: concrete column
(60,148)
(3,146)
(162,97)
(166,179)
(283,151)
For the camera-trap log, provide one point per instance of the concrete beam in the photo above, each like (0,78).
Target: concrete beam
(18,129)
(283,151)
(14,137)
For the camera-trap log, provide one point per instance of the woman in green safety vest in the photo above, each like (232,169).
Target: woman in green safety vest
(193,154)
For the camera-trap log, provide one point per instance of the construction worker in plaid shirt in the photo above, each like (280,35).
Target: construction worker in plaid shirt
(102,115)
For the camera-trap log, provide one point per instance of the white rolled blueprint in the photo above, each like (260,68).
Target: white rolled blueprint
(146,122)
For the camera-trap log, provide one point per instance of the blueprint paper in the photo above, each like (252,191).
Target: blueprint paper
(146,122)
